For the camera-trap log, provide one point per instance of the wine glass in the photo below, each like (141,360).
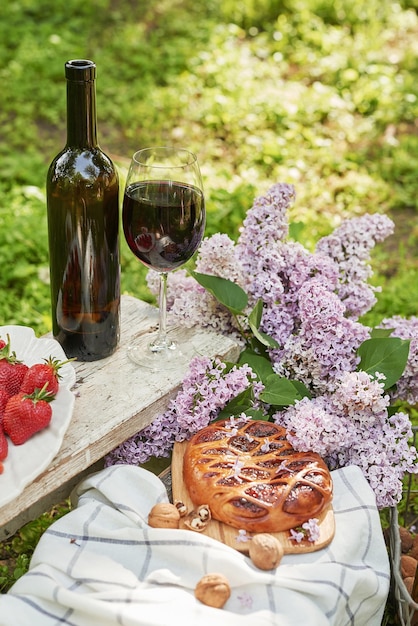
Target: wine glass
(163,219)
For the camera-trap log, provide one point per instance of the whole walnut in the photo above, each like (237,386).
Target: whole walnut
(213,590)
(265,551)
(164,515)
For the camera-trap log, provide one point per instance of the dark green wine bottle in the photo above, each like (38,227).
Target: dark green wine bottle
(83,229)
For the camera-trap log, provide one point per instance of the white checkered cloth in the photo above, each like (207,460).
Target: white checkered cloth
(102,565)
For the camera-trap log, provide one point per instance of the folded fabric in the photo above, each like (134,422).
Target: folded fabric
(102,564)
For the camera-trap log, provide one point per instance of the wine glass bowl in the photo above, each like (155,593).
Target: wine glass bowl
(163,218)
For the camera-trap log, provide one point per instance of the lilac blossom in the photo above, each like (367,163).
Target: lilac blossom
(178,282)
(188,303)
(237,467)
(353,426)
(350,246)
(297,535)
(205,391)
(309,530)
(246,600)
(312,529)
(265,224)
(325,345)
(360,398)
(191,305)
(242,536)
(384,456)
(218,256)
(312,425)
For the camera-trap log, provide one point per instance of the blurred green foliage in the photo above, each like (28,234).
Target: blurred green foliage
(322,95)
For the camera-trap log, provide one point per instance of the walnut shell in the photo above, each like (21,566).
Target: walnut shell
(408,566)
(213,590)
(164,515)
(409,583)
(265,551)
(406,538)
(414,550)
(198,519)
(181,507)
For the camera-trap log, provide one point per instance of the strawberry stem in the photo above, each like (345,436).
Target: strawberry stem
(40,394)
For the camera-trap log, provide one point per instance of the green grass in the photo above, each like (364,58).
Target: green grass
(322,95)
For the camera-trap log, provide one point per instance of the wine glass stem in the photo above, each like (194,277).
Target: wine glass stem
(162,342)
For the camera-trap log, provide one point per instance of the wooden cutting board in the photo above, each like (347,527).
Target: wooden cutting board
(228,535)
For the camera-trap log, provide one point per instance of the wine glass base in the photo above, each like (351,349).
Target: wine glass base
(145,354)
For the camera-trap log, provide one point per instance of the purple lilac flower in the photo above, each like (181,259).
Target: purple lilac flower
(218,257)
(279,283)
(407,385)
(311,529)
(360,398)
(384,456)
(352,426)
(276,269)
(266,222)
(177,282)
(246,600)
(312,425)
(242,536)
(237,467)
(350,246)
(326,343)
(297,535)
(206,389)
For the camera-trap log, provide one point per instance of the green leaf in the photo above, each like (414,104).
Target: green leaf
(378,333)
(254,320)
(259,364)
(265,339)
(225,291)
(295,230)
(280,391)
(386,355)
(242,403)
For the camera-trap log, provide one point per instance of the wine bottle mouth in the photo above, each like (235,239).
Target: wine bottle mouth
(164,156)
(80,70)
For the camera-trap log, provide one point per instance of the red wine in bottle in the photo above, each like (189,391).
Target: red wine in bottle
(83,229)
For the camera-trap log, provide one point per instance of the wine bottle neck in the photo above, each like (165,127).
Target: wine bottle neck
(81,108)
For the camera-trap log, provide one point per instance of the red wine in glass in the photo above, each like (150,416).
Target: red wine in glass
(163,219)
(163,222)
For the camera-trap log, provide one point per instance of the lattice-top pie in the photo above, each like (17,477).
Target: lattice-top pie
(252,478)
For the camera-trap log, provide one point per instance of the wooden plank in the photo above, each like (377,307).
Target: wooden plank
(114,400)
(228,535)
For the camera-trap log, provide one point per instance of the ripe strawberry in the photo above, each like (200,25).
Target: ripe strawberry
(4,445)
(12,371)
(4,396)
(40,373)
(2,344)
(26,414)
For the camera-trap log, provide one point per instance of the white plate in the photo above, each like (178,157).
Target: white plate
(25,462)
